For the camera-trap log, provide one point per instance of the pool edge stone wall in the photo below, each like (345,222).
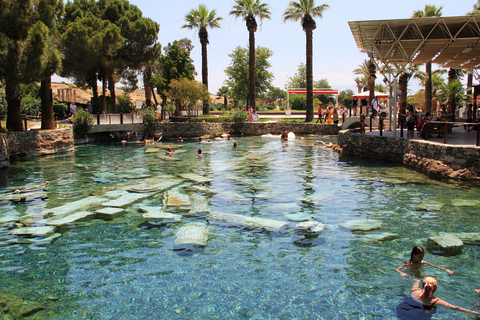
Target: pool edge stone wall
(34,142)
(203,129)
(453,161)
(173,130)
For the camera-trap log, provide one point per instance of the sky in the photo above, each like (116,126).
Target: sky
(335,53)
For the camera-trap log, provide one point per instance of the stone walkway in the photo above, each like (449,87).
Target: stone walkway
(459,136)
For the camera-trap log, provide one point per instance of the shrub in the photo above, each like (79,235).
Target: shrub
(217,133)
(239,119)
(3,101)
(149,116)
(30,104)
(82,122)
(298,102)
(125,105)
(60,109)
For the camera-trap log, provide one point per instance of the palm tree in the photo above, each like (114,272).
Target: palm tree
(410,71)
(429,11)
(224,92)
(452,93)
(305,10)
(436,82)
(202,19)
(248,10)
(363,73)
(476,9)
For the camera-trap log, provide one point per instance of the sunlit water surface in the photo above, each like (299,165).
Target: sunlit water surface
(128,269)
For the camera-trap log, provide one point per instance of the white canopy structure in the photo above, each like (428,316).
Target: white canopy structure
(366,94)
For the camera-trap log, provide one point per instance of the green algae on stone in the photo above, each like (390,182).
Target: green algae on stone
(192,234)
(465,202)
(298,216)
(248,222)
(383,236)
(361,224)
(109,213)
(73,206)
(471,238)
(34,231)
(195,177)
(67,219)
(156,213)
(446,245)
(125,199)
(430,205)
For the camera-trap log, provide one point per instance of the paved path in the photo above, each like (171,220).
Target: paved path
(459,136)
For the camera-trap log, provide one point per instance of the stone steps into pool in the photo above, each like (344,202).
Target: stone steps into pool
(73,206)
(76,217)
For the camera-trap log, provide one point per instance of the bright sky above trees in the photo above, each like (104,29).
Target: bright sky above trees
(334,49)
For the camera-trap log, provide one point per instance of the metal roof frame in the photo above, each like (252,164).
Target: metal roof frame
(451,42)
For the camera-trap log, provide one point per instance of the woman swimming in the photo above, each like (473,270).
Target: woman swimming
(416,262)
(422,301)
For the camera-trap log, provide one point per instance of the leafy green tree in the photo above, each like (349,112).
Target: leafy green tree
(379,87)
(187,92)
(30,99)
(23,52)
(175,64)
(306,10)
(322,84)
(411,71)
(249,10)
(238,71)
(299,79)
(476,9)
(3,102)
(277,94)
(202,19)
(116,38)
(363,74)
(50,13)
(224,92)
(100,41)
(344,97)
(429,11)
(298,102)
(452,91)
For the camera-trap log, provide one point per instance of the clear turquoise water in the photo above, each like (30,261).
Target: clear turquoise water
(127,269)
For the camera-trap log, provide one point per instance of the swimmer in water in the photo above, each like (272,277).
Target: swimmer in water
(199,153)
(423,303)
(169,152)
(416,262)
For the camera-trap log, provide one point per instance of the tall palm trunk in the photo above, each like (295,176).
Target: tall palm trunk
(473,105)
(402,99)
(309,67)
(48,119)
(203,34)
(309,25)
(252,27)
(452,75)
(428,87)
(371,83)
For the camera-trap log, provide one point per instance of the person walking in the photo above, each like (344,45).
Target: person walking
(320,115)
